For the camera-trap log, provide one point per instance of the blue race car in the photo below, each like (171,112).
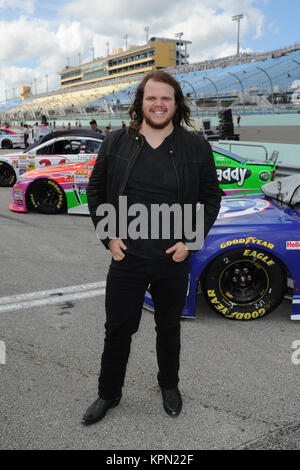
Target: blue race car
(249,255)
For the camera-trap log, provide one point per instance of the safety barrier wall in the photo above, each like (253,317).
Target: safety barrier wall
(288,160)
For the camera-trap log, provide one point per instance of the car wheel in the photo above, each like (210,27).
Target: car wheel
(7,174)
(244,283)
(46,196)
(7,144)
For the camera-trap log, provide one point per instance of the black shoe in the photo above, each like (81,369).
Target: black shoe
(98,410)
(172,401)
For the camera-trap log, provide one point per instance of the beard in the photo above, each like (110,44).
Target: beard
(156,125)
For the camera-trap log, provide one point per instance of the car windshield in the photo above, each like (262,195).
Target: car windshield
(285,190)
(77,133)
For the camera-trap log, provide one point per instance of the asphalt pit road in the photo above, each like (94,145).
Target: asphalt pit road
(65,306)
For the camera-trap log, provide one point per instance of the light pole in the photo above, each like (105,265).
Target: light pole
(146,29)
(270,80)
(242,87)
(107,45)
(125,37)
(238,19)
(93,52)
(79,58)
(46,77)
(179,35)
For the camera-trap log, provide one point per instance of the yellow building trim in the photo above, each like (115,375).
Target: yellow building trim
(128,64)
(70,78)
(164,53)
(70,69)
(129,52)
(108,77)
(106,59)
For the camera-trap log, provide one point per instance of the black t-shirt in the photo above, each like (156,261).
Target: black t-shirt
(152,181)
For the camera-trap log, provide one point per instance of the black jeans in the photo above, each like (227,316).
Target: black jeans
(127,282)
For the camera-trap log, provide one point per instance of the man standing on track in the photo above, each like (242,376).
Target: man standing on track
(152,161)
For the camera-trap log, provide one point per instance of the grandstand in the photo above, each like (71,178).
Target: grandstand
(260,81)
(56,104)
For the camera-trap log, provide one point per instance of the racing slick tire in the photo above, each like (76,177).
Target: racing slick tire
(7,175)
(46,196)
(244,283)
(7,144)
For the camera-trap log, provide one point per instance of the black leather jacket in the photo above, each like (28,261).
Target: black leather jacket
(193,163)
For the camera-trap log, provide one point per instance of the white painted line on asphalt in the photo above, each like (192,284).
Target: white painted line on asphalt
(58,292)
(51,300)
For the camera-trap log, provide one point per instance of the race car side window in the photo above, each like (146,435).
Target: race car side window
(45,150)
(90,146)
(72,147)
(58,147)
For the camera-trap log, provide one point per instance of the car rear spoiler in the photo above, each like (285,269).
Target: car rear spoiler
(274,157)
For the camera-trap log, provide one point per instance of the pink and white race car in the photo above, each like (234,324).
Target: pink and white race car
(56,148)
(11,138)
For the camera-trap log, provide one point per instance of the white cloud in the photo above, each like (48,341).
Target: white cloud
(35,47)
(207,23)
(26,6)
(32,40)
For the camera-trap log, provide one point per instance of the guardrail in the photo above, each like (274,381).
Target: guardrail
(286,170)
(240,144)
(282,169)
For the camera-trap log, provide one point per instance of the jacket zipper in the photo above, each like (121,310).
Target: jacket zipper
(127,172)
(176,173)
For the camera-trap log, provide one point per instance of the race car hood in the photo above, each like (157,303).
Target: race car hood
(54,170)
(11,156)
(253,211)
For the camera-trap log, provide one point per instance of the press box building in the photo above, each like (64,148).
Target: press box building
(158,53)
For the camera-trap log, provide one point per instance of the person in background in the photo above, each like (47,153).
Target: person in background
(107,130)
(30,138)
(26,135)
(35,132)
(44,129)
(95,128)
(238,119)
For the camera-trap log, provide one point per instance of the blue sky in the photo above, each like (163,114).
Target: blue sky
(281,25)
(38,36)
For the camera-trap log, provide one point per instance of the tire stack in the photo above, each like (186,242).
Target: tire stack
(226,128)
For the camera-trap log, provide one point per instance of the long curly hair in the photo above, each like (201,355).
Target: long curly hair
(183,111)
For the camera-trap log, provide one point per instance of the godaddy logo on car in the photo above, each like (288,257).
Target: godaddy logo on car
(233,175)
(245,241)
